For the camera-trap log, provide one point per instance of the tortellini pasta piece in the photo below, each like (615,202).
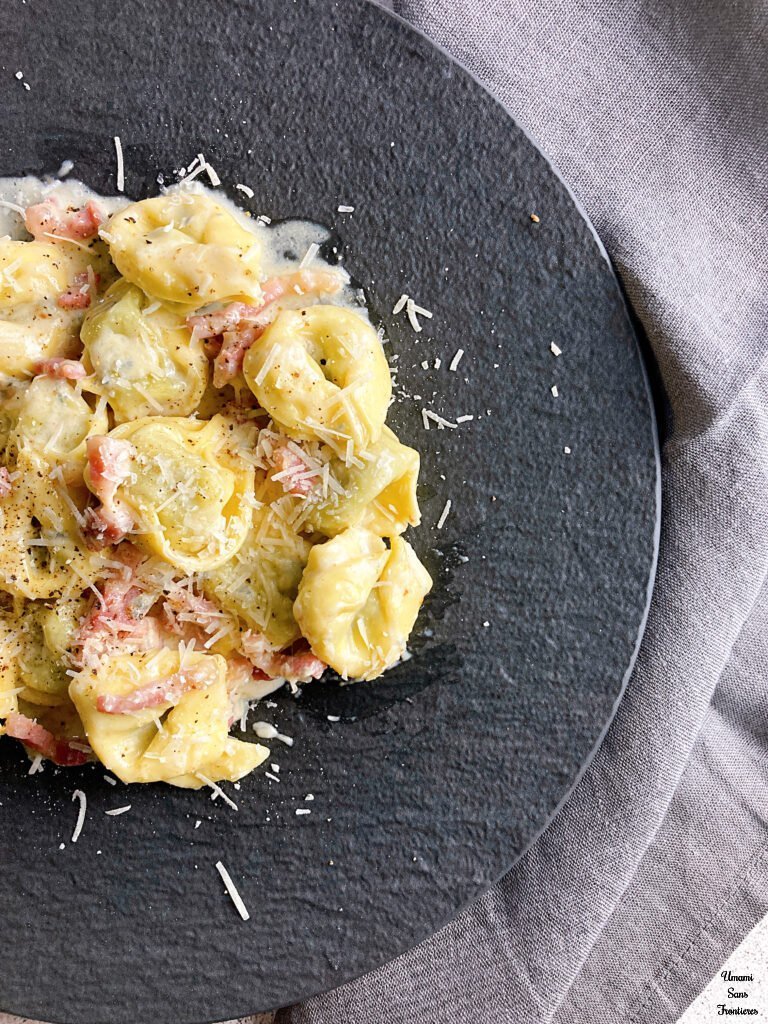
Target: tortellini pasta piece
(9,666)
(379,492)
(144,363)
(322,375)
(191,744)
(32,326)
(185,248)
(46,634)
(189,490)
(358,601)
(52,418)
(41,547)
(261,582)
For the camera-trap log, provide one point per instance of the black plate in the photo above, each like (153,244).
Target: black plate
(439,776)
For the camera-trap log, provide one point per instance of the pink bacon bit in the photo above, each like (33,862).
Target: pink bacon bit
(78,295)
(234,347)
(75,223)
(160,691)
(240,325)
(292,472)
(111,626)
(109,465)
(5,483)
(67,753)
(190,615)
(64,369)
(298,666)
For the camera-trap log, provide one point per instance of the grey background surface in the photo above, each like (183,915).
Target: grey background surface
(656,114)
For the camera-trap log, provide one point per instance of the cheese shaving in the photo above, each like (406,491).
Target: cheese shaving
(444,515)
(216,791)
(120,164)
(234,895)
(79,795)
(118,810)
(309,255)
(454,365)
(245,190)
(399,306)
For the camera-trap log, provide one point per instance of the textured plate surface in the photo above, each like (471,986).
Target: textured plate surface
(435,779)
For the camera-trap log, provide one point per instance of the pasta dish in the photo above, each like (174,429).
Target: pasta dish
(200,499)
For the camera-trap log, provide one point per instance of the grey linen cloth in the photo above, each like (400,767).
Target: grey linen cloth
(655,113)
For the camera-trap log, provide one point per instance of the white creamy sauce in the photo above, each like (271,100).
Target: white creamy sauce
(284,244)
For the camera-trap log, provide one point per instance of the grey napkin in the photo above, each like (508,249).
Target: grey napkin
(655,113)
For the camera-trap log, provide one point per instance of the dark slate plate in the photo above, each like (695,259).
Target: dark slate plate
(436,778)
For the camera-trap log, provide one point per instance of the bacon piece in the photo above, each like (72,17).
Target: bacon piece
(300,282)
(209,325)
(231,356)
(299,666)
(65,752)
(109,465)
(64,369)
(75,223)
(78,295)
(240,325)
(160,691)
(116,623)
(292,472)
(5,483)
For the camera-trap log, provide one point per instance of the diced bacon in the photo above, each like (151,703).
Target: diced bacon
(76,223)
(78,295)
(290,471)
(116,623)
(65,752)
(152,695)
(240,324)
(231,317)
(300,282)
(64,369)
(229,361)
(297,665)
(184,608)
(104,527)
(5,483)
(109,465)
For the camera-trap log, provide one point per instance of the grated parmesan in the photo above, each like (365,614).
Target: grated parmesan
(444,515)
(234,895)
(216,791)
(79,795)
(554,391)
(555,349)
(399,306)
(456,360)
(120,164)
(245,190)
(118,810)
(309,255)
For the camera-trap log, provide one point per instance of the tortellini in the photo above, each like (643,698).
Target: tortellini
(188,490)
(47,632)
(322,375)
(172,549)
(52,418)
(182,740)
(185,248)
(142,356)
(261,583)
(379,492)
(358,601)
(41,547)
(9,665)
(32,325)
